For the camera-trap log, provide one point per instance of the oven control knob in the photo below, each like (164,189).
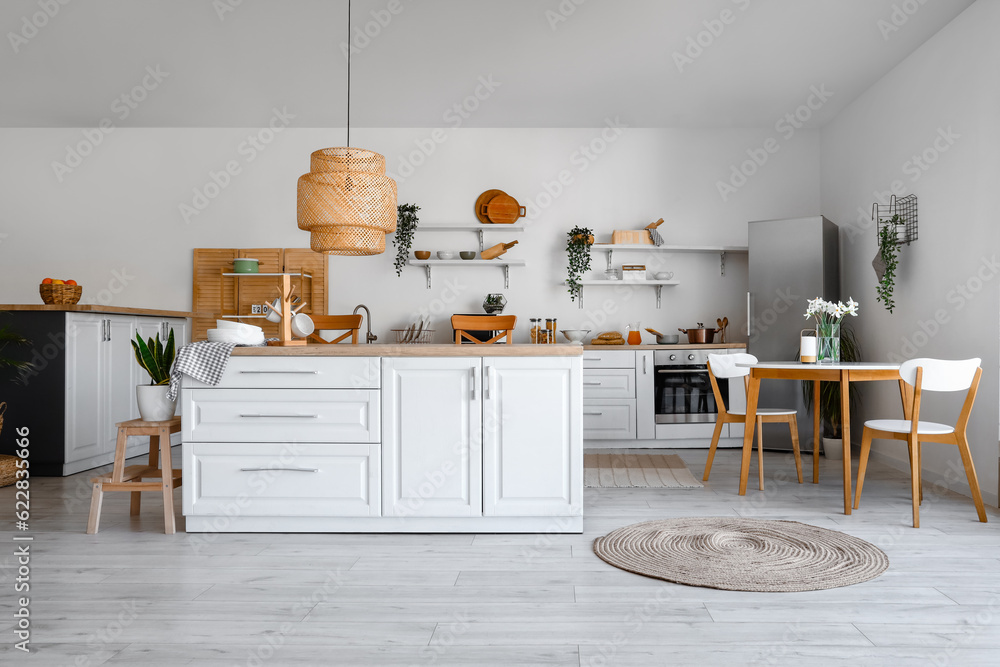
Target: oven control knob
(673,357)
(690,357)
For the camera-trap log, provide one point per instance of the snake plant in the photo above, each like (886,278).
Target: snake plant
(155,358)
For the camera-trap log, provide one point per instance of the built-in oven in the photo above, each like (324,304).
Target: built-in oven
(683,389)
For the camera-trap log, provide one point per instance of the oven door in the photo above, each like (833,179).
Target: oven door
(684,395)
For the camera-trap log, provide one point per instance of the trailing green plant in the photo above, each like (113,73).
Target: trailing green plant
(829,392)
(155,358)
(579,240)
(8,365)
(406,224)
(888,248)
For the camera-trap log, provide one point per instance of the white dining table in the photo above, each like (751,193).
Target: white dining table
(844,373)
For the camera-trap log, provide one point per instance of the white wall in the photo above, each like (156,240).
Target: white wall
(946,86)
(118,211)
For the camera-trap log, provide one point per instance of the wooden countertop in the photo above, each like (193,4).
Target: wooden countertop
(679,346)
(96,308)
(433,350)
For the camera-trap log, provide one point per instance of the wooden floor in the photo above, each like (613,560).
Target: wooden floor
(132,595)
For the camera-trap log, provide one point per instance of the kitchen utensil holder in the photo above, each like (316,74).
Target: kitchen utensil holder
(906,209)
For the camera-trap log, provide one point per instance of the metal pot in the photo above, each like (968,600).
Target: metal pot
(700,335)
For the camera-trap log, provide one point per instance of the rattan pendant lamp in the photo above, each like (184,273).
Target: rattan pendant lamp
(346,202)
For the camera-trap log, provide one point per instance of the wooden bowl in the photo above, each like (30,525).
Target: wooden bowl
(422,254)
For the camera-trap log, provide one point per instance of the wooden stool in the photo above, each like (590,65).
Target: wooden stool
(130,478)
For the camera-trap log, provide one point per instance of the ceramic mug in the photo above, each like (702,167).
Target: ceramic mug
(302,325)
(274,311)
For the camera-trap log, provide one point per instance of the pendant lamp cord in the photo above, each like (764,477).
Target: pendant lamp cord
(349,49)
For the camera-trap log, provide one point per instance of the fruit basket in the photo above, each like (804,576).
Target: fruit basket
(60,295)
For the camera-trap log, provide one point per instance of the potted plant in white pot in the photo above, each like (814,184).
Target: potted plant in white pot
(155,359)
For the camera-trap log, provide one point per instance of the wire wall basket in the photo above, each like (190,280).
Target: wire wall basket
(902,213)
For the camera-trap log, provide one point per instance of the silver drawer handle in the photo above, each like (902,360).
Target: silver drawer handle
(593,413)
(279,372)
(684,372)
(281,416)
(591,358)
(277,469)
(591,384)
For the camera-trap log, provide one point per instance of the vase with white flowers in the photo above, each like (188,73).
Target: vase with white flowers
(828,316)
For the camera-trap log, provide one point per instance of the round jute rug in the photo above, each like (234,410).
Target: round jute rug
(737,554)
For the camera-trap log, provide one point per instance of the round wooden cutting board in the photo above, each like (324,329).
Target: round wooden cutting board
(482,201)
(503,209)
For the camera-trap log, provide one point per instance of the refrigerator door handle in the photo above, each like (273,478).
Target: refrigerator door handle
(749,316)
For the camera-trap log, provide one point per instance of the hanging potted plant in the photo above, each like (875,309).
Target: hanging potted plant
(155,359)
(887,259)
(829,398)
(406,224)
(579,240)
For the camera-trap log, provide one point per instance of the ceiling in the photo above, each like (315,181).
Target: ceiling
(553,63)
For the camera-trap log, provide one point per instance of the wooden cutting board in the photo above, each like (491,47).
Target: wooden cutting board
(481,202)
(503,209)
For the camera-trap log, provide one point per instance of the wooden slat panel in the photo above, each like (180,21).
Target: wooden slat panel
(314,263)
(208,286)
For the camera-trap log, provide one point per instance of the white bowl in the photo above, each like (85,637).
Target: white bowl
(575,335)
(664,275)
(445,254)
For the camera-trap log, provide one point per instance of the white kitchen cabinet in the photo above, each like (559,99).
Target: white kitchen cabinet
(609,394)
(532,458)
(432,447)
(645,396)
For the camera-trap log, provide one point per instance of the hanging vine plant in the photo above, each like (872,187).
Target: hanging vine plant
(887,260)
(406,224)
(579,240)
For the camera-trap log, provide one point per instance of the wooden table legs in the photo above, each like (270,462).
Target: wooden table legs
(817,426)
(845,434)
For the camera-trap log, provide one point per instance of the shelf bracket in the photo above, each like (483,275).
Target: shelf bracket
(482,245)
(427,270)
(579,298)
(659,288)
(722,262)
(610,253)
(506,276)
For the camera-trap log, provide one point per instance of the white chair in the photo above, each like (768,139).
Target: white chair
(928,375)
(723,367)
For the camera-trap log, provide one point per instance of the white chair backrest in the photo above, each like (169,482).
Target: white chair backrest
(724,365)
(940,374)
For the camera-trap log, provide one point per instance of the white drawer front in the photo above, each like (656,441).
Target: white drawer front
(609,383)
(298,373)
(609,358)
(238,479)
(612,419)
(281,415)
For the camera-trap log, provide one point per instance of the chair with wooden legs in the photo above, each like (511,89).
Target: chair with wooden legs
(350,324)
(463,324)
(129,479)
(916,377)
(723,367)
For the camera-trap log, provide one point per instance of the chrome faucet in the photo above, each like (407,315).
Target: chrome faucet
(370,337)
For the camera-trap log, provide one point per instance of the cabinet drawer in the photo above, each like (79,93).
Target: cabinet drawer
(609,383)
(609,358)
(611,419)
(279,372)
(248,479)
(281,415)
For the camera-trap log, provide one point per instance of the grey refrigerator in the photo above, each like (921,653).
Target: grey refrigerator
(790,261)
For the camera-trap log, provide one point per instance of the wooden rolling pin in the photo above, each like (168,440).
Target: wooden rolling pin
(497,250)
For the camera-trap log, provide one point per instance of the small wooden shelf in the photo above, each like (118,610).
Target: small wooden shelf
(596,282)
(428,264)
(266,275)
(611,248)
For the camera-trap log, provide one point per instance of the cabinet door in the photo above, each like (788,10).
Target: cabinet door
(432,437)
(532,436)
(180,327)
(120,377)
(86,336)
(645,396)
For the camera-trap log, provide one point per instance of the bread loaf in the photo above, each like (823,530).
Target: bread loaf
(610,335)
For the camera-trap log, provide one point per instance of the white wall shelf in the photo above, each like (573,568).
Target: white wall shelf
(612,248)
(472,227)
(428,264)
(658,284)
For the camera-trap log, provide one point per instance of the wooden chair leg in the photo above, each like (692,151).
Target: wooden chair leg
(96,499)
(970,472)
(712,448)
(793,428)
(913,444)
(866,446)
(760,452)
(169,523)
